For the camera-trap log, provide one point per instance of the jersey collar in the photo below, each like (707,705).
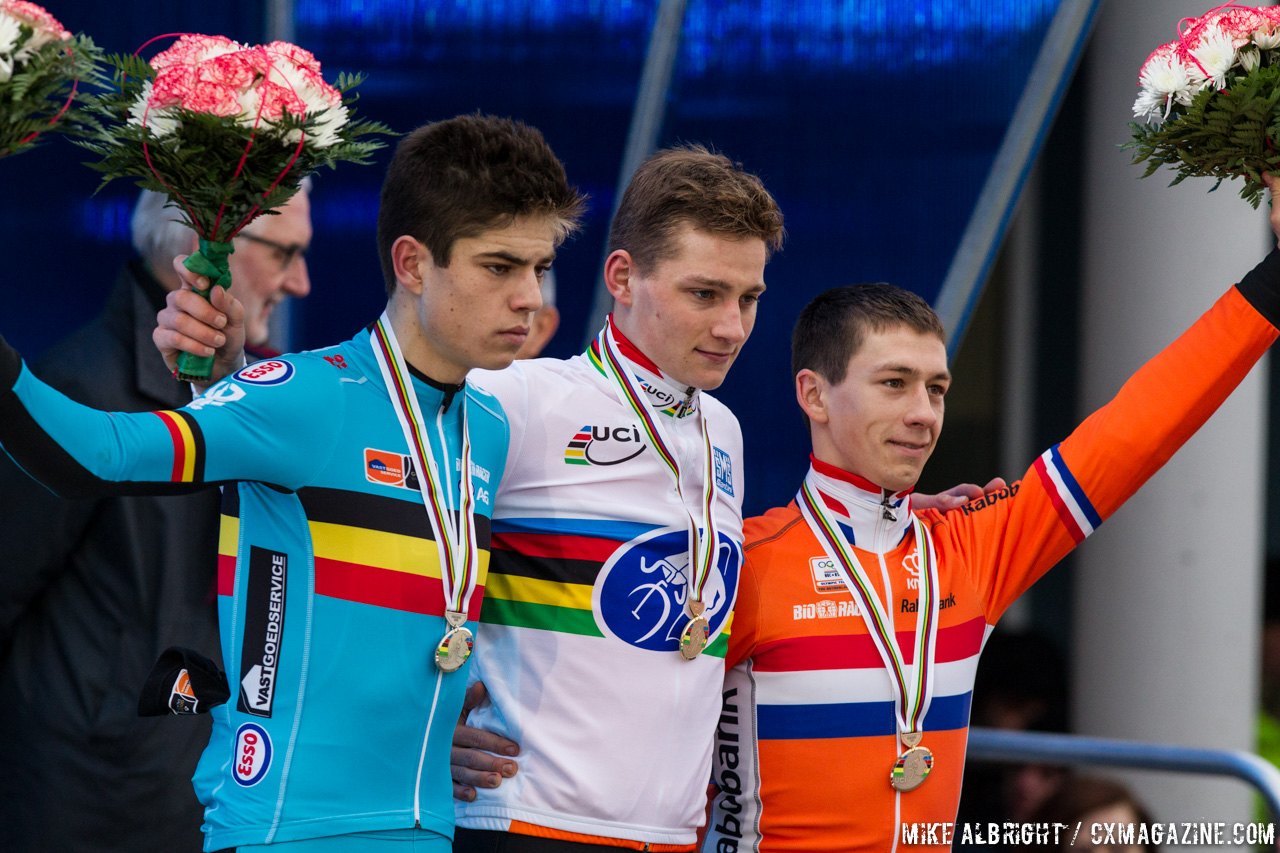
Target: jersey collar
(670,398)
(860,506)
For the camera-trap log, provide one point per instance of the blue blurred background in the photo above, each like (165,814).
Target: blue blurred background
(874,124)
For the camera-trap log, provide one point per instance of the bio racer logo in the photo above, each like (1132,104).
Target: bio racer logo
(604,445)
(642,590)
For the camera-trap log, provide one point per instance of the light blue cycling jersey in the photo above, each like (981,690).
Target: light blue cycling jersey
(329,593)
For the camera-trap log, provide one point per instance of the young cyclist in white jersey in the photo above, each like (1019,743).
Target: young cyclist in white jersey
(617,529)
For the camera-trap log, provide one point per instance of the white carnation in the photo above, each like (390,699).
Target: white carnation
(325,133)
(331,116)
(1267,39)
(250,103)
(161,122)
(1216,54)
(1165,79)
(1150,106)
(10,32)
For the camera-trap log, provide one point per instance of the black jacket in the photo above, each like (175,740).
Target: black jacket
(91,592)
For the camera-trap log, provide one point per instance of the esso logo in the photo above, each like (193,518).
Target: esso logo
(270,372)
(252,755)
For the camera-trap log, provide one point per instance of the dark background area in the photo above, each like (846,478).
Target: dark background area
(874,124)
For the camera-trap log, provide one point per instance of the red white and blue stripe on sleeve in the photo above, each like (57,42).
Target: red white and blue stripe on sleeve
(1073,505)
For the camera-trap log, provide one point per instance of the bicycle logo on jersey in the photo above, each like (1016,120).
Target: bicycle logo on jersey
(642,590)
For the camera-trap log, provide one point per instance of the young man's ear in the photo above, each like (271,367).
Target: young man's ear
(409,259)
(811,394)
(619,269)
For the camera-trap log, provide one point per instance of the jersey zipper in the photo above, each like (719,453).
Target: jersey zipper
(897,735)
(435,696)
(887,510)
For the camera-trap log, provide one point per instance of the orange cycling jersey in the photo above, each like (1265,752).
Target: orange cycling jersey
(808,734)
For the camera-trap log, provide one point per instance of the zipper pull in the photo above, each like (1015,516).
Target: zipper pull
(887,511)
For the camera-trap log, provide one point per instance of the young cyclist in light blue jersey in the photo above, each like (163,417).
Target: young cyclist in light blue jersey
(355,528)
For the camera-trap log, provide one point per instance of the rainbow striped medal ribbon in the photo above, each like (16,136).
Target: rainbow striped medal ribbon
(702,536)
(455,543)
(912,684)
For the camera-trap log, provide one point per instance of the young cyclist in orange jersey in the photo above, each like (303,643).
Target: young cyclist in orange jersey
(859,619)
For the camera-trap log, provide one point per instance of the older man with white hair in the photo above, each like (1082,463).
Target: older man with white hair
(93,590)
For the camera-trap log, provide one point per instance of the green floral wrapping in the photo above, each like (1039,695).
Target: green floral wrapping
(211,260)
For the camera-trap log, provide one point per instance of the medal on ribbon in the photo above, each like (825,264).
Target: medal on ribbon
(912,683)
(455,647)
(913,765)
(702,531)
(455,542)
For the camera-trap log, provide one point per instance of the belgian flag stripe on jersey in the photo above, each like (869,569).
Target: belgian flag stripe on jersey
(404,517)
(397,590)
(188,447)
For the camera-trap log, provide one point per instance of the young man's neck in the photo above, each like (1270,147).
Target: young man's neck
(631,349)
(843,474)
(417,350)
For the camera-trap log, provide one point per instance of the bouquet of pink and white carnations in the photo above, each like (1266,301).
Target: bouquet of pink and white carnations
(227,131)
(1209,100)
(41,68)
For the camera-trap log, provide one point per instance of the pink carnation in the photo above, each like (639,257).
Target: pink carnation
(276,100)
(36,17)
(211,98)
(214,75)
(193,49)
(1237,23)
(298,56)
(232,70)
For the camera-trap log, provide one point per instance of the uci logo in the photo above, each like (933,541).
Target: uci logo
(641,593)
(603,445)
(252,754)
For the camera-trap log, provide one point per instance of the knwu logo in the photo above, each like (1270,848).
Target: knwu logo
(912,564)
(604,445)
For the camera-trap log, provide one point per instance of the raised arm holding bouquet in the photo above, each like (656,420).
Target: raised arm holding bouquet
(41,68)
(227,131)
(1208,100)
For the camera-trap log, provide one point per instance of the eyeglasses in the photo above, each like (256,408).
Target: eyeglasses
(286,253)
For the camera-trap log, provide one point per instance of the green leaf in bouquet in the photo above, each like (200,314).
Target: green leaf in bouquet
(1221,135)
(48,92)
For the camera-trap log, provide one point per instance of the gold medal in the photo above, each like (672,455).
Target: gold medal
(702,523)
(693,639)
(454,649)
(455,544)
(913,765)
(455,646)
